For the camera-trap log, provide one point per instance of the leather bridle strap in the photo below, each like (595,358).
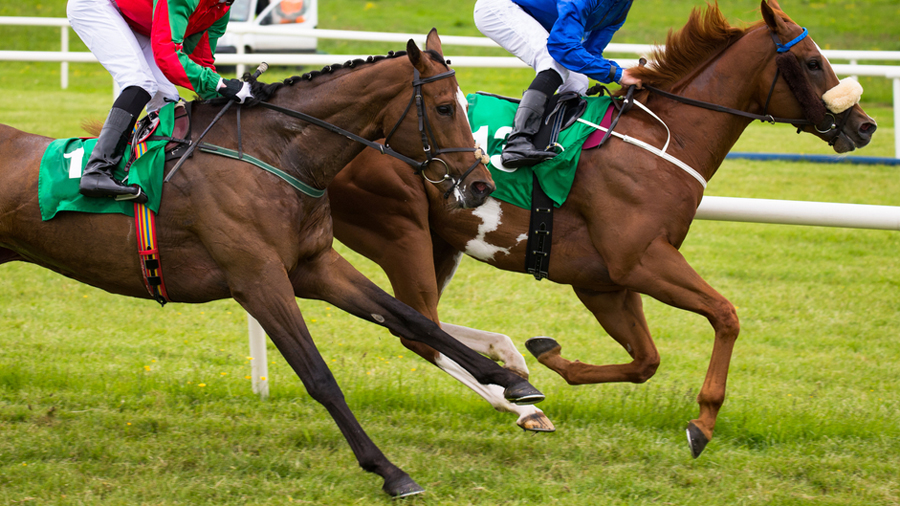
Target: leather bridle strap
(383,149)
(737,112)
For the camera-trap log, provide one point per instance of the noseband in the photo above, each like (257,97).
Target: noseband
(428,136)
(815,109)
(424,130)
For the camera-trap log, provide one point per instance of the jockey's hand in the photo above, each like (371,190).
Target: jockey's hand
(627,79)
(235,89)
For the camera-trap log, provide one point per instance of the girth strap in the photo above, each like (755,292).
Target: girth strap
(145,228)
(537,253)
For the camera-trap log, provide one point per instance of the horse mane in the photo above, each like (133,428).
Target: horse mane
(263,91)
(706,34)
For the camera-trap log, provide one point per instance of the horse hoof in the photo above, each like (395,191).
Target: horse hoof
(536,422)
(404,487)
(540,345)
(523,393)
(696,440)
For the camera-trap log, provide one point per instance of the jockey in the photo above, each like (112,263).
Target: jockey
(563,40)
(149,47)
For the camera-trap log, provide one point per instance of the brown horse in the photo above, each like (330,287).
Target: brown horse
(228,229)
(618,233)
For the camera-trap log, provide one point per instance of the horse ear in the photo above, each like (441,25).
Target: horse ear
(413,52)
(773,20)
(433,42)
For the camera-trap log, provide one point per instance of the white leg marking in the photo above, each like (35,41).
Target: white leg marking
(490,214)
(496,346)
(491,393)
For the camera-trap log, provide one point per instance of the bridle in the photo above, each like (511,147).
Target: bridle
(424,129)
(831,123)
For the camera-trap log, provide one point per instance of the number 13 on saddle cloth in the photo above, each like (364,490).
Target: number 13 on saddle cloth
(491,118)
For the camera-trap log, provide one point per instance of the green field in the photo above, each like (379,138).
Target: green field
(116,401)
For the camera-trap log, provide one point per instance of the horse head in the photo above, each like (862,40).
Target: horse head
(452,164)
(814,92)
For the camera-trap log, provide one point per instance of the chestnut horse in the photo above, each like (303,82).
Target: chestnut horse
(228,229)
(617,235)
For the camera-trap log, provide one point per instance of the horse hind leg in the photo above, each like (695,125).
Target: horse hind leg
(333,279)
(621,314)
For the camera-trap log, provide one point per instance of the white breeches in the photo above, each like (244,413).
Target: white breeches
(126,55)
(508,25)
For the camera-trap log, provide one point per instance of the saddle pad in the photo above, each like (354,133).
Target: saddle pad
(65,159)
(491,118)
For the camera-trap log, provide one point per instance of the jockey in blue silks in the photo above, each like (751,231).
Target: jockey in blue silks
(563,40)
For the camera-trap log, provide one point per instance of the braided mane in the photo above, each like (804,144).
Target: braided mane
(263,91)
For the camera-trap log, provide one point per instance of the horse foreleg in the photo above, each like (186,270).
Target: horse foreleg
(665,275)
(272,303)
(498,347)
(333,279)
(621,314)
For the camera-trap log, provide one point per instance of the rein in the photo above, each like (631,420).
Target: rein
(385,149)
(830,122)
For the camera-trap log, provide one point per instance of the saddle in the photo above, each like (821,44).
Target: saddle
(181,131)
(561,111)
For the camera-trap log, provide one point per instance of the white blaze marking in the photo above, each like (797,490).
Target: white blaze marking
(464,103)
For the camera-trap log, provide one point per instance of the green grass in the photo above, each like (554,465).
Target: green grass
(101,403)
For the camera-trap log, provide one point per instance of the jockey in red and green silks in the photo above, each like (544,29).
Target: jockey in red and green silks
(183,36)
(149,47)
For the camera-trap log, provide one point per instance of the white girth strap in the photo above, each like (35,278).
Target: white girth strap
(656,151)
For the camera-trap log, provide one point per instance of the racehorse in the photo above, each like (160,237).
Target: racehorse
(618,233)
(228,229)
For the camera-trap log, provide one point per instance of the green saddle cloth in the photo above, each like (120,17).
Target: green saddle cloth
(491,119)
(64,162)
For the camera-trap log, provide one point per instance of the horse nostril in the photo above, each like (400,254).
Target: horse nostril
(482,188)
(868,128)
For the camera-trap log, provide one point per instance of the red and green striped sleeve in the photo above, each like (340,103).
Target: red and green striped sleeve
(183,46)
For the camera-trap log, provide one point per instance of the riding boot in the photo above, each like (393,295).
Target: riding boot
(97,179)
(520,150)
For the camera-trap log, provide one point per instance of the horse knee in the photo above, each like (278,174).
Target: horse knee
(725,321)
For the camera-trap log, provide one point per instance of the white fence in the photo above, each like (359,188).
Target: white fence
(64,56)
(711,208)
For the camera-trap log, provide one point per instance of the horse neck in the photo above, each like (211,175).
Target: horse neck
(353,100)
(732,79)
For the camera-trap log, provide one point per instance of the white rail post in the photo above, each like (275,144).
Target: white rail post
(259,365)
(240,50)
(64,66)
(897,117)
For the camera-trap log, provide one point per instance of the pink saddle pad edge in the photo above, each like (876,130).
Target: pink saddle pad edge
(596,136)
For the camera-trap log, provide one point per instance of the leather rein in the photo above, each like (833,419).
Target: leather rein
(830,123)
(385,149)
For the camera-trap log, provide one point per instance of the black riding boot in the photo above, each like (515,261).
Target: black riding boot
(98,180)
(520,150)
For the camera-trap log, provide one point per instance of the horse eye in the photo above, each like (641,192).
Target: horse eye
(813,65)
(445,110)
